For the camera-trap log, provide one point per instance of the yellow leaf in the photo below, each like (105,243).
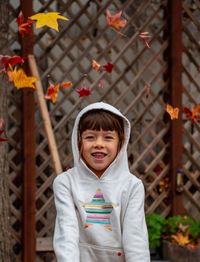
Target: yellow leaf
(21,80)
(48,19)
(181,239)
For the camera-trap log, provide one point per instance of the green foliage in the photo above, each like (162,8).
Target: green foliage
(194,229)
(155,225)
(165,228)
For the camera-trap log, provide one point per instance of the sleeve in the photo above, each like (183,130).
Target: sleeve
(135,235)
(66,233)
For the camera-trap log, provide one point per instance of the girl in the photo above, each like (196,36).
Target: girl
(99,203)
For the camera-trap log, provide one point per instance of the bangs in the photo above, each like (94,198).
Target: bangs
(101,119)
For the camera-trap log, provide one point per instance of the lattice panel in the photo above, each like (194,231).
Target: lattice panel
(191,97)
(13,124)
(67,55)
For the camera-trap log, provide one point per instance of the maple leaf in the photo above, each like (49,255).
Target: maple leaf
(24,27)
(8,61)
(21,80)
(48,19)
(180,239)
(173,112)
(84,91)
(96,66)
(192,114)
(108,67)
(115,20)
(52,90)
(144,36)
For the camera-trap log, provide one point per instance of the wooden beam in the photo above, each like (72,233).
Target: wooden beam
(45,116)
(29,172)
(176,90)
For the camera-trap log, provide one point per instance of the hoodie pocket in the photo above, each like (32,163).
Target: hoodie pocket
(92,253)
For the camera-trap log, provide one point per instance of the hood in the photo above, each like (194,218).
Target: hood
(121,159)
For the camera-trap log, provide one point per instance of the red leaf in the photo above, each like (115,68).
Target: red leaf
(188,112)
(24,27)
(192,114)
(84,91)
(7,61)
(52,92)
(108,67)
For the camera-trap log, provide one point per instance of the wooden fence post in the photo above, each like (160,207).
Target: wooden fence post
(29,171)
(175,69)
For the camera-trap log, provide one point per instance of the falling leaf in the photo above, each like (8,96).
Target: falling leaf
(66,84)
(24,27)
(181,239)
(173,112)
(48,19)
(8,61)
(84,91)
(108,67)
(2,131)
(99,68)
(144,36)
(21,80)
(192,114)
(96,66)
(115,20)
(52,90)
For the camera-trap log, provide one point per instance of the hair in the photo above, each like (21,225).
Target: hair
(98,119)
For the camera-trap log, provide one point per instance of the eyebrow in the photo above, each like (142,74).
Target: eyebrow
(94,131)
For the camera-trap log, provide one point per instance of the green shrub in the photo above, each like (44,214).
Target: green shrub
(155,225)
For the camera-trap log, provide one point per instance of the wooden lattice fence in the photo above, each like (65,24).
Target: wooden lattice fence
(67,55)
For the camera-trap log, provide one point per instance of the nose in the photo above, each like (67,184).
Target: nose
(99,142)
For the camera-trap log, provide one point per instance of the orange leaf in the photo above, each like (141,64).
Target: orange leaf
(115,20)
(173,112)
(181,239)
(52,92)
(96,66)
(195,110)
(20,79)
(66,84)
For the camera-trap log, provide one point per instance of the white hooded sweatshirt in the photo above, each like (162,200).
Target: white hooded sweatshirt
(100,219)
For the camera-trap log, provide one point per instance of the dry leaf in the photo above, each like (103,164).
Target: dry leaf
(48,19)
(115,20)
(192,114)
(173,112)
(180,239)
(20,79)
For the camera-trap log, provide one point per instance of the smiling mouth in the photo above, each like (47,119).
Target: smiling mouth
(99,155)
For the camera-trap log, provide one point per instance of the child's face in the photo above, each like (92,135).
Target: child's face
(99,149)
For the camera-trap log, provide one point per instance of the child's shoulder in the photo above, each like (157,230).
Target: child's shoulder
(134,181)
(62,178)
